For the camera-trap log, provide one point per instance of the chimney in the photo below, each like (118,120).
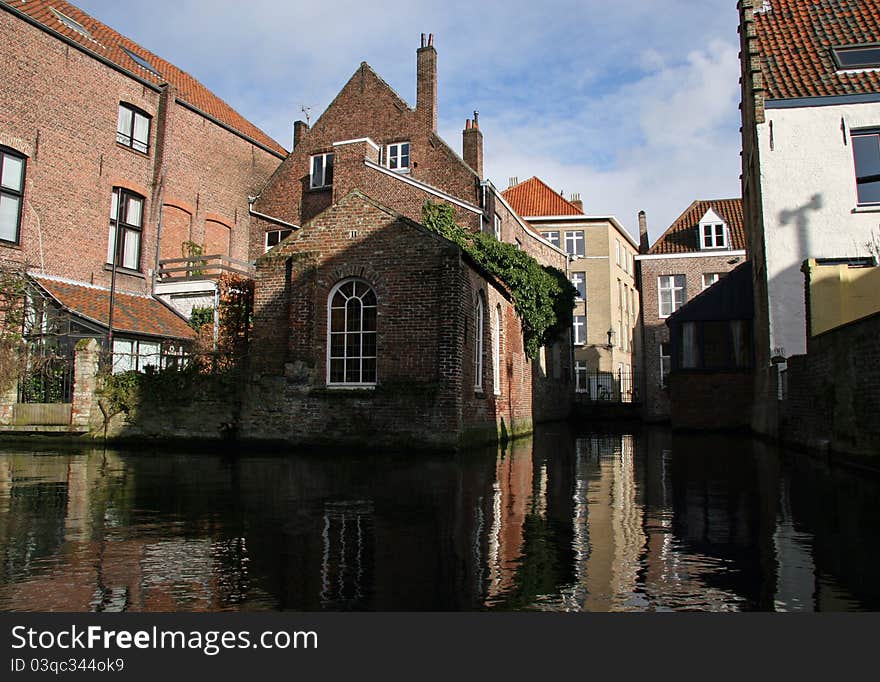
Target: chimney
(643,233)
(511,181)
(472,144)
(576,201)
(300,128)
(426,83)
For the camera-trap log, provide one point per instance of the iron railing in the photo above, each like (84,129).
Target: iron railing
(202,267)
(607,387)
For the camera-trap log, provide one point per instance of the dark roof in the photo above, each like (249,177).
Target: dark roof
(110,45)
(132,313)
(730,298)
(533,197)
(681,236)
(795,39)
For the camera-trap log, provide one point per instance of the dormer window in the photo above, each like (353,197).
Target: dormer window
(397,156)
(713,232)
(857,57)
(322,171)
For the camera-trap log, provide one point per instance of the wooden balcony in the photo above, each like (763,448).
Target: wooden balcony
(196,268)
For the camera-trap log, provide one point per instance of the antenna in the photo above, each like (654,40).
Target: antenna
(306,110)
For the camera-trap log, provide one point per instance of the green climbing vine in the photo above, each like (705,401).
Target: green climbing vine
(542,295)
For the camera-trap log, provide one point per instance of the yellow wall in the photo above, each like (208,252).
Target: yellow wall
(840,294)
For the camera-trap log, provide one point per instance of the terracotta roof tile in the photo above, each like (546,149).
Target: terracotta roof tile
(111,45)
(795,40)
(132,314)
(534,198)
(681,236)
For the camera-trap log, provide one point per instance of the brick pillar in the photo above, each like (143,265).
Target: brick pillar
(8,398)
(85,380)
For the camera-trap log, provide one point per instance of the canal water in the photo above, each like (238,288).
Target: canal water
(644,521)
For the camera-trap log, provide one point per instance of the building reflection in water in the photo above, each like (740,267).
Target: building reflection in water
(604,522)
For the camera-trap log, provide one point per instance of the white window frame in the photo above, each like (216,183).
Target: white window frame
(497,226)
(13,167)
(496,351)
(395,155)
(130,230)
(579,329)
(326,162)
(130,122)
(581,377)
(665,362)
(666,286)
(617,252)
(580,278)
(552,236)
(706,281)
(277,236)
(576,237)
(328,339)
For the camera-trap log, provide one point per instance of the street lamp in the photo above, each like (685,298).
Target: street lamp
(610,333)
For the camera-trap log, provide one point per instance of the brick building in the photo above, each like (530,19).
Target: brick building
(113,155)
(701,246)
(602,268)
(366,324)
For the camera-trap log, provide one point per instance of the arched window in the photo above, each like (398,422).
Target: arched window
(478,343)
(351,347)
(496,351)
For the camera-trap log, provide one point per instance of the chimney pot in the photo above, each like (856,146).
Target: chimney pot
(511,181)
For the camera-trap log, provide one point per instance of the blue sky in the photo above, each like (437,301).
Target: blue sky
(632,104)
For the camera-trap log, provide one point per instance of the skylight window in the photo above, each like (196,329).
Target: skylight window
(863,57)
(140,61)
(72,24)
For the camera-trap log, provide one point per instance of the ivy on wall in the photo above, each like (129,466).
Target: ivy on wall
(542,295)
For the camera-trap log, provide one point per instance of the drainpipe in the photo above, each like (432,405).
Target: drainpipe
(216,315)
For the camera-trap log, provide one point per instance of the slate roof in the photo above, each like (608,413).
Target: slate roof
(795,38)
(533,197)
(132,313)
(681,236)
(109,44)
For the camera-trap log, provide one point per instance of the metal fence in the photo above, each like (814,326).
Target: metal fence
(608,387)
(46,379)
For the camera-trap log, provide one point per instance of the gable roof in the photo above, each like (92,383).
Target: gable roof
(795,38)
(533,197)
(132,313)
(681,236)
(109,45)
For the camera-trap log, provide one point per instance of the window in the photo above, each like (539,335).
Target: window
(11,194)
(713,236)
(126,220)
(579,282)
(133,128)
(617,251)
(867,57)
(322,171)
(552,236)
(866,152)
(579,325)
(671,288)
(574,243)
(137,355)
(140,61)
(580,376)
(496,352)
(478,344)
(397,156)
(72,24)
(352,332)
(664,364)
(276,237)
(497,227)
(709,278)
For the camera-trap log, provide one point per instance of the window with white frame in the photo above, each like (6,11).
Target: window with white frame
(133,128)
(552,236)
(574,242)
(497,227)
(709,278)
(136,355)
(665,361)
(478,343)
(322,171)
(712,231)
(397,156)
(866,154)
(126,221)
(671,293)
(579,326)
(496,351)
(352,324)
(617,251)
(579,282)
(275,237)
(580,377)
(12,166)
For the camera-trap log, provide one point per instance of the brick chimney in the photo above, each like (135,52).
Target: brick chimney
(426,82)
(300,128)
(576,201)
(472,144)
(644,244)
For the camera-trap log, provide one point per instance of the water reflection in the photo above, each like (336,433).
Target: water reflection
(603,522)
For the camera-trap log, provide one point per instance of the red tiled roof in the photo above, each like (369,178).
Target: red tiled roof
(132,314)
(681,236)
(108,44)
(534,198)
(795,38)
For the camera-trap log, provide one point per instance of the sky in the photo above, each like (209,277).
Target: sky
(633,104)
